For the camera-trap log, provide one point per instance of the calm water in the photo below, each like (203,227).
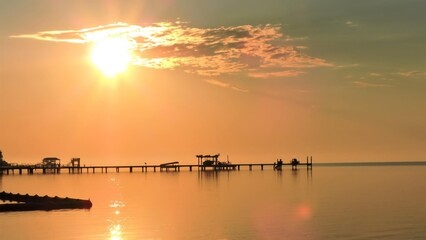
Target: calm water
(369,202)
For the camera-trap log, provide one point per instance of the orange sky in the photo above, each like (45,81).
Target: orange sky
(256,84)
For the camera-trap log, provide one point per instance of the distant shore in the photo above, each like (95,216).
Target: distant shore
(365,164)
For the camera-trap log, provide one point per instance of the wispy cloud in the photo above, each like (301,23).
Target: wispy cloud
(352,65)
(286,73)
(365,84)
(202,51)
(385,79)
(225,85)
(412,74)
(394,75)
(351,24)
(374,74)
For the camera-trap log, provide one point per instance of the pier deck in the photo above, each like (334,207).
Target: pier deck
(32,169)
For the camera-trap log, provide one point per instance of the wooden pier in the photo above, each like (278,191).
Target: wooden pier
(146,168)
(171,166)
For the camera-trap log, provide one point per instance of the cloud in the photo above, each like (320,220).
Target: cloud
(86,35)
(374,74)
(390,76)
(352,65)
(351,24)
(203,51)
(287,73)
(225,85)
(412,74)
(365,84)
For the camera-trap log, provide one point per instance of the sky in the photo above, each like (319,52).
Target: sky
(339,80)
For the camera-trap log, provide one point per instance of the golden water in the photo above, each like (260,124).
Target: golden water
(382,202)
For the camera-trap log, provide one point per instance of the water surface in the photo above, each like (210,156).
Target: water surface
(368,202)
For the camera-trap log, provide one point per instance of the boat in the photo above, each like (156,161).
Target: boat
(26,202)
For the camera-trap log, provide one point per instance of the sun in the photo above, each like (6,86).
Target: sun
(112,55)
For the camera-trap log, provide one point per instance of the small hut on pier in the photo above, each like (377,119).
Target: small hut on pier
(52,164)
(208,160)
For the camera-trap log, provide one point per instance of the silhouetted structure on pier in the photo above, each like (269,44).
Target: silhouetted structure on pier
(169,165)
(75,164)
(51,164)
(208,160)
(212,162)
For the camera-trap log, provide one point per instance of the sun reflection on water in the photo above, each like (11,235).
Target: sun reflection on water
(115,232)
(115,228)
(117,204)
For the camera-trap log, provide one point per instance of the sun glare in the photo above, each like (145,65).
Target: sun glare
(112,56)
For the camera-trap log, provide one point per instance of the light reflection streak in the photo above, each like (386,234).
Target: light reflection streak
(115,228)
(115,232)
(117,204)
